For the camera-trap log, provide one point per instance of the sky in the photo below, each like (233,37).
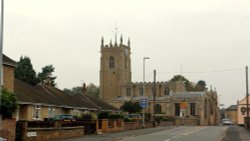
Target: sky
(202,40)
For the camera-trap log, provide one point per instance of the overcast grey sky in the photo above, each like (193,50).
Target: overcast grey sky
(179,36)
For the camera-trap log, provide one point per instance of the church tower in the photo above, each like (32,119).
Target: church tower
(115,69)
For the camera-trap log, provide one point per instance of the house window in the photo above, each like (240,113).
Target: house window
(111,62)
(128,92)
(141,91)
(177,109)
(36,112)
(51,112)
(192,109)
(166,91)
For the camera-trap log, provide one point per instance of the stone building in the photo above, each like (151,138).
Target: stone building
(116,87)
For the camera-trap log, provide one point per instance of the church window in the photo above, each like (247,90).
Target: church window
(141,91)
(158,108)
(111,62)
(192,109)
(166,91)
(128,92)
(177,109)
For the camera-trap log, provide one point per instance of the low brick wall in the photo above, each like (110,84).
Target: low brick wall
(148,124)
(46,134)
(186,122)
(109,126)
(9,129)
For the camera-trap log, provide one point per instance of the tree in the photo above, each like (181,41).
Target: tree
(9,104)
(131,107)
(93,90)
(201,85)
(188,84)
(46,76)
(25,72)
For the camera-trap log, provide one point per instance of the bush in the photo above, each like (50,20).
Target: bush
(168,118)
(103,115)
(9,104)
(115,116)
(128,120)
(86,117)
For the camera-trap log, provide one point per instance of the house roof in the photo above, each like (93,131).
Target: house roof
(8,61)
(27,94)
(232,107)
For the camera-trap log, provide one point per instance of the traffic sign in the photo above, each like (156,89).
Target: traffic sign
(143,102)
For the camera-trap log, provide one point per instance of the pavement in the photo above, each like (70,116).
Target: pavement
(237,133)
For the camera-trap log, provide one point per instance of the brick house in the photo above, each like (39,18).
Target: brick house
(40,102)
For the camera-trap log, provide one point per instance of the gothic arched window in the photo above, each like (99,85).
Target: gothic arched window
(111,62)
(158,108)
(166,91)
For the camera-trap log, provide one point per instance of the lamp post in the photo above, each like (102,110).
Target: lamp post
(143,109)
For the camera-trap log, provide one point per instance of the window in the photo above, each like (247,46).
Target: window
(192,109)
(205,109)
(158,108)
(141,91)
(36,112)
(111,62)
(166,91)
(177,109)
(128,92)
(51,112)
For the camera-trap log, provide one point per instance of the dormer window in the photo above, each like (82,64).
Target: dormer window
(111,62)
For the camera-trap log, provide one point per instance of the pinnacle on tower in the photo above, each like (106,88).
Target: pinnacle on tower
(121,41)
(128,42)
(102,42)
(110,44)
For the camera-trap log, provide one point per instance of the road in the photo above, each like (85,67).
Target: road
(184,133)
(181,133)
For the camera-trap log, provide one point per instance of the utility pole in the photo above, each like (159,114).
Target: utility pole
(247,95)
(143,109)
(154,95)
(1,57)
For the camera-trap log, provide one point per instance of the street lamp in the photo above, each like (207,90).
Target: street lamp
(143,110)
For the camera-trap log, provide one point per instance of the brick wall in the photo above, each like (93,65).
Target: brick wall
(46,134)
(8,79)
(9,129)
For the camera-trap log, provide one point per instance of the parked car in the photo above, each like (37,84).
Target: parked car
(226,122)
(64,117)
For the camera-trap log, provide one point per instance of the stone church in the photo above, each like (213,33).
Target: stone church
(116,87)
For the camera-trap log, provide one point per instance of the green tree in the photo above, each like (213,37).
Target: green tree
(9,104)
(93,90)
(46,75)
(131,107)
(25,72)
(201,85)
(188,84)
